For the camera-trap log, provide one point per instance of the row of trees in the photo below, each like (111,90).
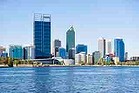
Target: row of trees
(10,61)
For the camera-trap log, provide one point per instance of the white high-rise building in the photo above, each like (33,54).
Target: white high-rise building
(108,46)
(102,46)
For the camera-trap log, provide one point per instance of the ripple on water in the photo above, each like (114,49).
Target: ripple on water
(70,80)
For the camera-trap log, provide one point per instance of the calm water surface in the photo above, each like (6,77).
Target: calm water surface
(70,80)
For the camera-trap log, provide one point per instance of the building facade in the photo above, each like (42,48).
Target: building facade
(62,52)
(16,52)
(29,52)
(71,53)
(89,59)
(81,48)
(108,46)
(70,39)
(42,35)
(80,58)
(2,50)
(96,56)
(102,46)
(119,49)
(56,45)
(126,56)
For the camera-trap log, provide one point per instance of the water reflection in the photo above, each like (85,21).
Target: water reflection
(70,80)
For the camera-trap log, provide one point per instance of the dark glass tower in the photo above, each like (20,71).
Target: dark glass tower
(70,39)
(42,35)
(119,49)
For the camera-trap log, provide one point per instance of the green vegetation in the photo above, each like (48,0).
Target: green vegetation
(16,62)
(10,62)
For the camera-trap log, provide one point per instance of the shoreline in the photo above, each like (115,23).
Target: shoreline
(29,65)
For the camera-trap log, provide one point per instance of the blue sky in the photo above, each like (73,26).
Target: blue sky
(90,18)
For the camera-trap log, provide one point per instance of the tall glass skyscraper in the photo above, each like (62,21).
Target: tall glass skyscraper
(70,39)
(119,49)
(42,35)
(81,48)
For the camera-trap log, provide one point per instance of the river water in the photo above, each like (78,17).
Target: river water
(70,80)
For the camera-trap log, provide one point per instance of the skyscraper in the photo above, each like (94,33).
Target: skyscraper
(70,39)
(119,49)
(108,46)
(56,45)
(42,35)
(102,46)
(81,48)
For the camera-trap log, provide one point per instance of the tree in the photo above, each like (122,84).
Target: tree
(10,62)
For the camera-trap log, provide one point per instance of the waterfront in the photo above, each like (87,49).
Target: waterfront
(69,80)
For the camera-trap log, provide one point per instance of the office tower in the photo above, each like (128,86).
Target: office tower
(42,35)
(119,49)
(56,45)
(81,48)
(16,52)
(108,46)
(96,56)
(28,52)
(102,46)
(71,53)
(62,52)
(70,39)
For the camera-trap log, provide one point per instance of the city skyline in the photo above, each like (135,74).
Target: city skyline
(87,23)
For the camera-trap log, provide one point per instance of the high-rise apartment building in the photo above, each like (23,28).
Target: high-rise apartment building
(42,35)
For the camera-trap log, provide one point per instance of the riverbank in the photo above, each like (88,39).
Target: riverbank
(46,65)
(4,66)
